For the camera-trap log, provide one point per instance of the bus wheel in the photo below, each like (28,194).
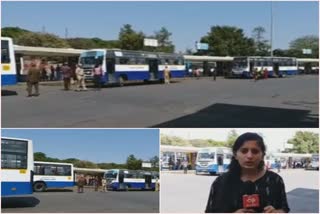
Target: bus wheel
(39,187)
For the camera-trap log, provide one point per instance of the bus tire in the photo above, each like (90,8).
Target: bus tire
(39,187)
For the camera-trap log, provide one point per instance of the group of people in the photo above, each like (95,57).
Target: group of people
(35,75)
(263,73)
(95,181)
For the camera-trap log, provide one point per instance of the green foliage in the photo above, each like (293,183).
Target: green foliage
(261,45)
(41,40)
(130,39)
(228,41)
(40,156)
(305,142)
(232,136)
(133,163)
(163,37)
(13,32)
(306,42)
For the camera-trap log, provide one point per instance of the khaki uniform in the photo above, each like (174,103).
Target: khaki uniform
(166,74)
(33,79)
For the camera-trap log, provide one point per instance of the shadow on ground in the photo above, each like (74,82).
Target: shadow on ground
(19,202)
(303,200)
(8,93)
(240,116)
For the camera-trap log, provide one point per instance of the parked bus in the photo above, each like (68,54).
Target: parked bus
(214,160)
(52,175)
(315,161)
(120,66)
(277,66)
(8,62)
(16,166)
(121,179)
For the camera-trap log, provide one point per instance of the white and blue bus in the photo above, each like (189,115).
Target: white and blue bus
(8,62)
(122,179)
(16,166)
(120,66)
(213,160)
(277,66)
(52,175)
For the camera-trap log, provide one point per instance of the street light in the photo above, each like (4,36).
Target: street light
(271,30)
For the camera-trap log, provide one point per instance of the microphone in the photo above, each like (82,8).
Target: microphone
(250,199)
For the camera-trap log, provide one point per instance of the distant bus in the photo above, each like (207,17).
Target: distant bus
(121,179)
(213,160)
(8,62)
(16,166)
(120,66)
(52,175)
(277,66)
(315,161)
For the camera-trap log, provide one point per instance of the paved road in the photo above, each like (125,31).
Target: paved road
(189,193)
(284,102)
(88,202)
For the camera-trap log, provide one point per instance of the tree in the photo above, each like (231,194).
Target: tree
(228,41)
(130,39)
(261,45)
(40,156)
(305,142)
(163,37)
(41,40)
(154,161)
(13,32)
(232,136)
(133,163)
(306,42)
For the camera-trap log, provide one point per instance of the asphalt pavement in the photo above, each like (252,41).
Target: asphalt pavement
(282,102)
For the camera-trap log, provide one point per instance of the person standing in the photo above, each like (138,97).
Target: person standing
(104,185)
(214,74)
(97,75)
(80,78)
(166,73)
(66,72)
(33,79)
(81,182)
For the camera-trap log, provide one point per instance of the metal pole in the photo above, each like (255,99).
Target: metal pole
(271,30)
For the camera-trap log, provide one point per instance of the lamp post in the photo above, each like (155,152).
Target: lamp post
(271,29)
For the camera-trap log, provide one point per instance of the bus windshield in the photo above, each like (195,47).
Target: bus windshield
(207,155)
(110,175)
(240,63)
(91,57)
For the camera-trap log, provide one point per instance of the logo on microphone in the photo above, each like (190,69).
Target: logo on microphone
(251,201)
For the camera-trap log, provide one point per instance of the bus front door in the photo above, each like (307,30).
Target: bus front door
(220,163)
(111,67)
(276,70)
(122,185)
(147,181)
(153,69)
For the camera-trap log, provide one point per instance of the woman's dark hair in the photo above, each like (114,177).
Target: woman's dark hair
(234,167)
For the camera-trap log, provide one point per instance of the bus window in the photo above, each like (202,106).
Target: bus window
(13,154)
(124,61)
(5,57)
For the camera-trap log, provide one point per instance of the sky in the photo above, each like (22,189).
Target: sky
(187,21)
(275,139)
(96,145)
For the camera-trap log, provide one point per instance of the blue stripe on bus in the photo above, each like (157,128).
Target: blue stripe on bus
(131,185)
(15,188)
(59,184)
(212,169)
(8,79)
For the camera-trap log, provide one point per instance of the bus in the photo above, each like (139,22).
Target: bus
(277,66)
(120,66)
(52,175)
(213,160)
(16,166)
(122,179)
(315,161)
(8,62)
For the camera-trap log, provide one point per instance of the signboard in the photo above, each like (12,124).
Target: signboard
(150,42)
(306,51)
(202,46)
(146,165)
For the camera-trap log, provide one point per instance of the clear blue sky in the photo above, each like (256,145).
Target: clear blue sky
(97,145)
(188,21)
